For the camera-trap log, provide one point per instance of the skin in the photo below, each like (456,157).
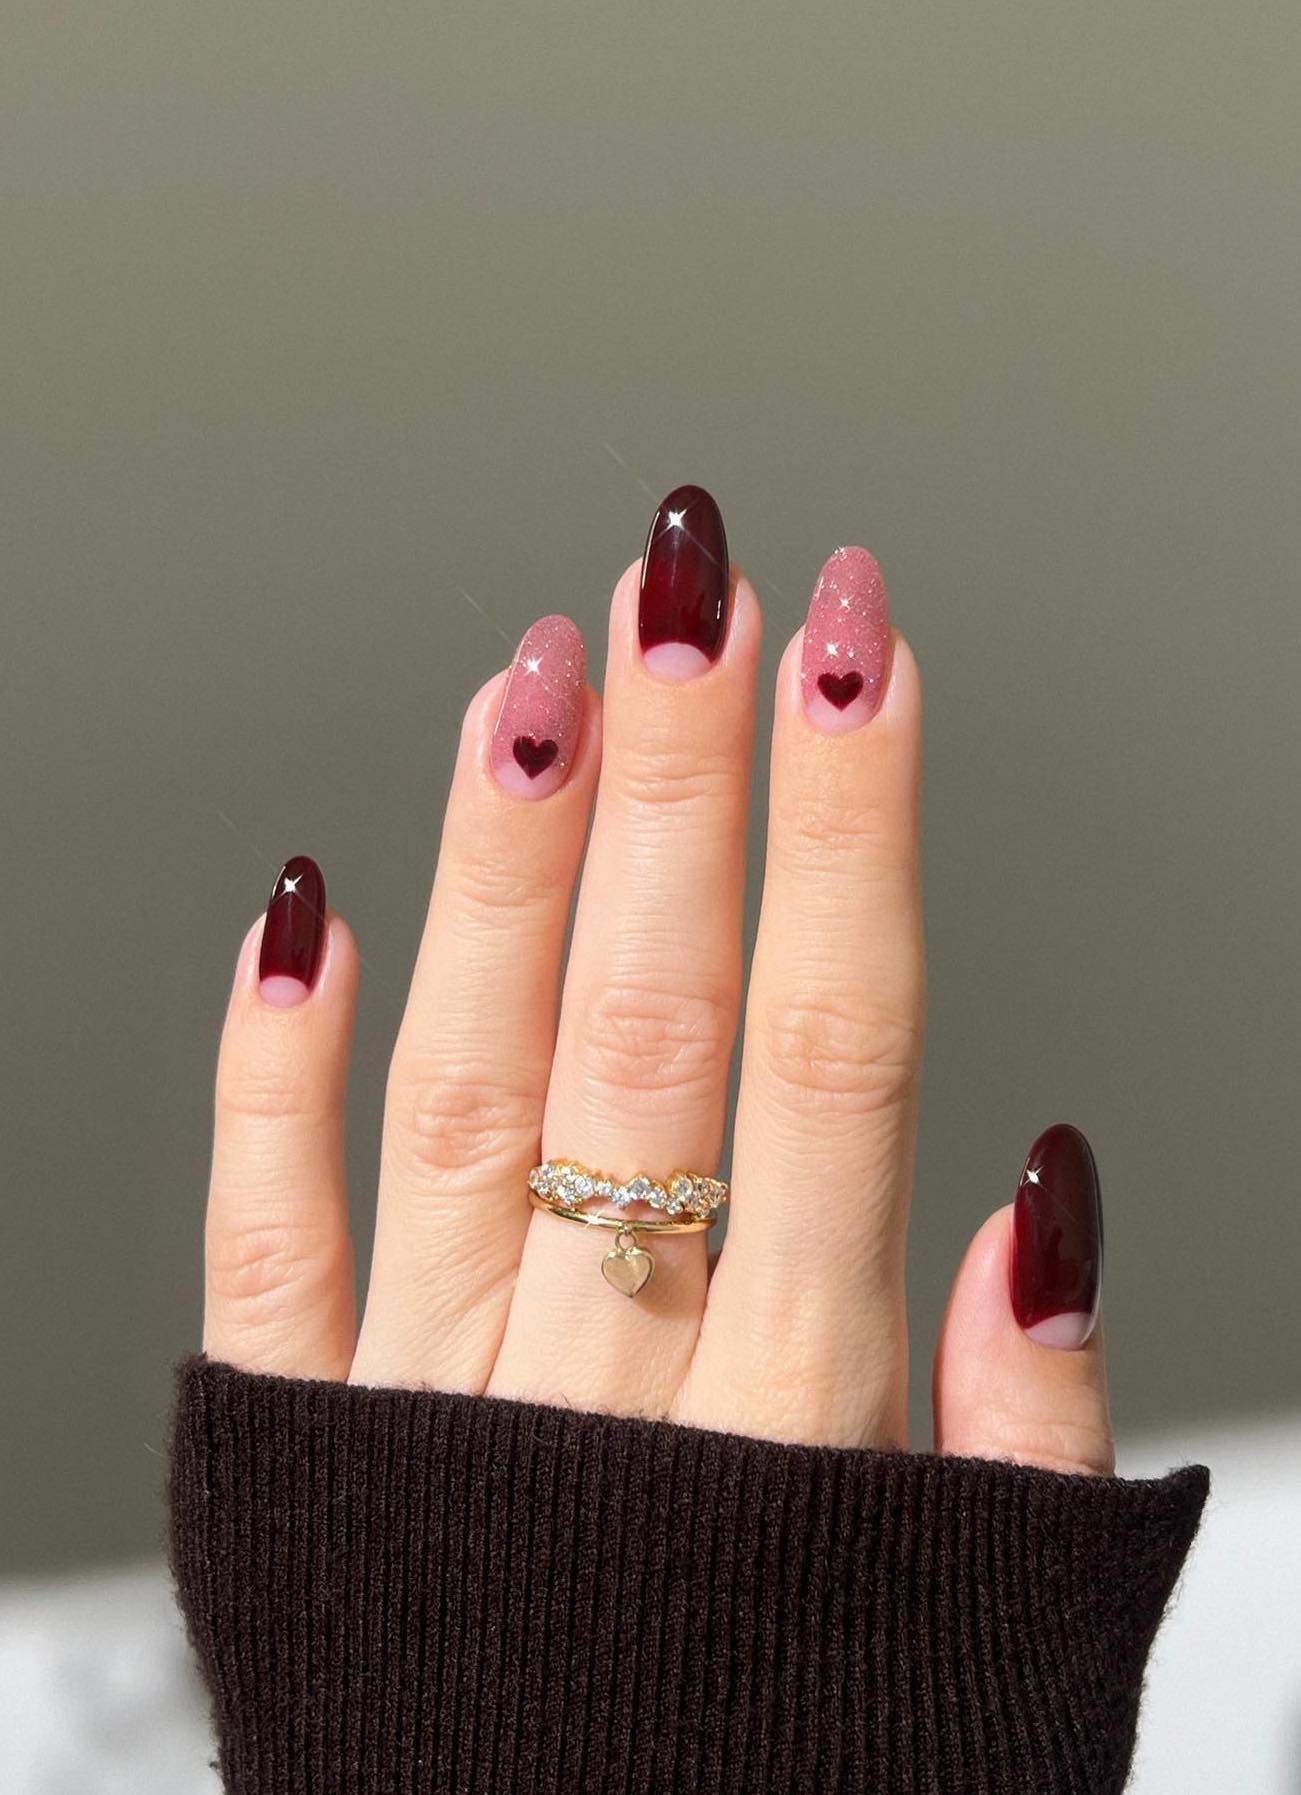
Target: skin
(505,1056)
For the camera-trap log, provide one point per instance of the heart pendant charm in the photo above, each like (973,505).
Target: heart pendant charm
(627,1267)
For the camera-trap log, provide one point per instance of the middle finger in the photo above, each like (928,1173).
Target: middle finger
(652,989)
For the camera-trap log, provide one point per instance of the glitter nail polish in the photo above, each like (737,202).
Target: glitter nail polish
(846,649)
(536,733)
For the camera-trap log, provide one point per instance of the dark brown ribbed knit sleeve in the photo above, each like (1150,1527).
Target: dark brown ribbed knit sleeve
(396,1590)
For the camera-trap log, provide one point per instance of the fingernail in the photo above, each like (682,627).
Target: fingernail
(846,642)
(682,614)
(536,732)
(293,934)
(1057,1240)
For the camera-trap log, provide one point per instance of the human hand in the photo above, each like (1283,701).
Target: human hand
(798,1334)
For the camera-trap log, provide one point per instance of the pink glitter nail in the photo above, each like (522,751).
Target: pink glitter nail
(536,732)
(846,642)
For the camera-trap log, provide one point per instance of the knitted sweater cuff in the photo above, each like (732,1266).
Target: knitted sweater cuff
(407,1590)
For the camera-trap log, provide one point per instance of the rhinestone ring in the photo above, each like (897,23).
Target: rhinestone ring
(688,1203)
(569,1185)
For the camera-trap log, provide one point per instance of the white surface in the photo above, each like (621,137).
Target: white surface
(97,1697)
(96,1691)
(1222,1712)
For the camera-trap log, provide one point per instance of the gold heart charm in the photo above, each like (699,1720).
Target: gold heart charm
(627,1267)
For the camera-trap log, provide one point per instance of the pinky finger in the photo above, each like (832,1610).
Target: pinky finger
(1019,1373)
(280,1294)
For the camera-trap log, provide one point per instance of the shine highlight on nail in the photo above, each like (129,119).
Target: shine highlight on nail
(293,934)
(1057,1240)
(682,610)
(536,733)
(846,650)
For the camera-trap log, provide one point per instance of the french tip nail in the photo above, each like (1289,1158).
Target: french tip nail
(1056,1269)
(676,660)
(685,587)
(293,933)
(283,993)
(1065,1333)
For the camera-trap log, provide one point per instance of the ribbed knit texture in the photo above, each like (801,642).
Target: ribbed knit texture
(396,1590)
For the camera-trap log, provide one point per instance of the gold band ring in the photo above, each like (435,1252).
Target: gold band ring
(619,1223)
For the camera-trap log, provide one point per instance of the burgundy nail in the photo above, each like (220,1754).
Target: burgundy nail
(536,732)
(846,642)
(682,615)
(1057,1240)
(293,934)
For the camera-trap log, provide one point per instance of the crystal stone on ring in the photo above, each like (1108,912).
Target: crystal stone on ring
(681,1192)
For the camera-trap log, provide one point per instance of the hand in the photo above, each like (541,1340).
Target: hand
(799,1332)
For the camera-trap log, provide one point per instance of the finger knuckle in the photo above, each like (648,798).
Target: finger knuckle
(820,832)
(1066,1444)
(264,1268)
(447,1122)
(268,1087)
(665,771)
(502,888)
(831,1052)
(818,819)
(655,1040)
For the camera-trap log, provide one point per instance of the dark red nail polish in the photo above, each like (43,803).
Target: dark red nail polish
(682,615)
(1057,1240)
(293,933)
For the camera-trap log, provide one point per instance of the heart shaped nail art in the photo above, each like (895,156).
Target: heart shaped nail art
(534,756)
(840,689)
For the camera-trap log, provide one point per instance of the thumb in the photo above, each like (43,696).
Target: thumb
(1019,1371)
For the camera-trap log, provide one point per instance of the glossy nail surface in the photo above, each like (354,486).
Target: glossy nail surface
(846,642)
(1057,1240)
(293,934)
(536,733)
(682,612)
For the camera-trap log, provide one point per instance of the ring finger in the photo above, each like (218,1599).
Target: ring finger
(652,989)
(811,1278)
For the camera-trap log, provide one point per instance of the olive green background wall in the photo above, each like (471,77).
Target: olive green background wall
(340,341)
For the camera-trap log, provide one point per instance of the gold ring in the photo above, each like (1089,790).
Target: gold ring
(690,1200)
